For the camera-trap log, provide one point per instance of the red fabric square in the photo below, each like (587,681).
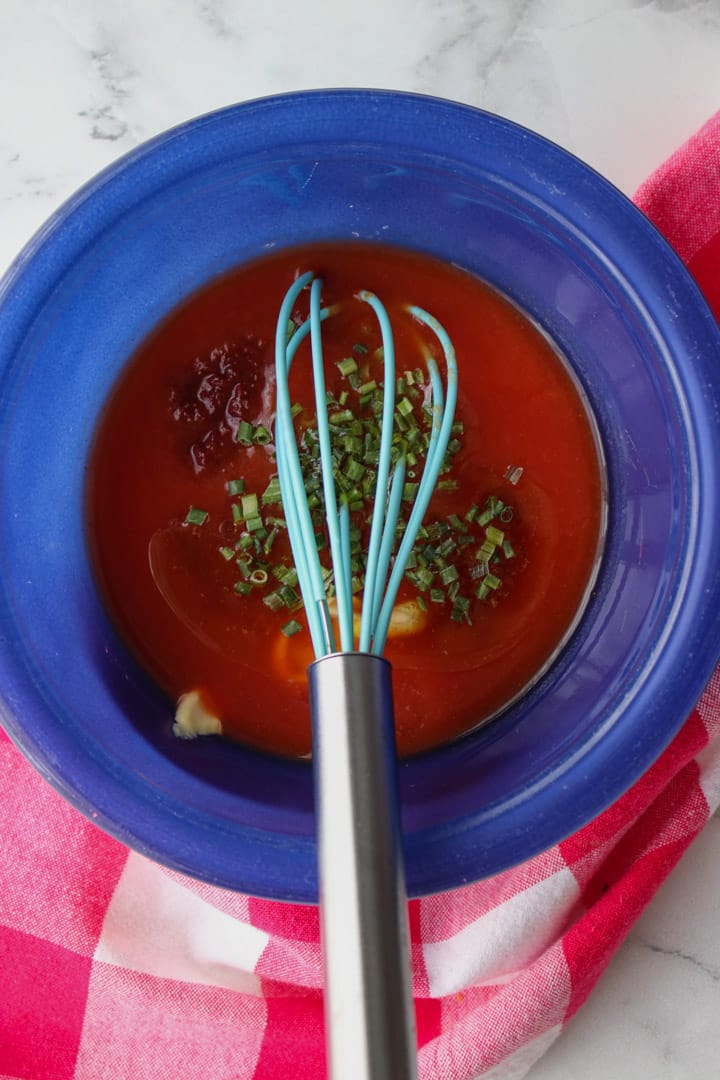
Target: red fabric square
(43,991)
(297,922)
(294,1043)
(592,941)
(57,870)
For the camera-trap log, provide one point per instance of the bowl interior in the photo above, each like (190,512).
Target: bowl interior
(466,187)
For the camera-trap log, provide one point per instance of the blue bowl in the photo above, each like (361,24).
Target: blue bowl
(467,187)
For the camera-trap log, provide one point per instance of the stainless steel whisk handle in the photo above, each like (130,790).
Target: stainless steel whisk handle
(369,1015)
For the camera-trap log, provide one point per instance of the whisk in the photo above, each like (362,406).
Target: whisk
(369,1017)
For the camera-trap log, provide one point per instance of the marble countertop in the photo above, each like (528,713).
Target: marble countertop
(621,83)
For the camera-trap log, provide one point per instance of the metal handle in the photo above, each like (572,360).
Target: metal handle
(369,1016)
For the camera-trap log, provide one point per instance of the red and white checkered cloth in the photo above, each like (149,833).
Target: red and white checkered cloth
(113,968)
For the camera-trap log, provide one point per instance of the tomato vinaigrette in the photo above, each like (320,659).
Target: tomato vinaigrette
(184,455)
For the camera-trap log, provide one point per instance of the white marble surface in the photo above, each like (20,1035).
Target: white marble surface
(619,82)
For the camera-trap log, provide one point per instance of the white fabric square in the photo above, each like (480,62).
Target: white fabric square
(506,939)
(155,925)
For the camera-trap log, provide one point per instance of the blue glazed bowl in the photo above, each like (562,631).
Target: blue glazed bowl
(545,230)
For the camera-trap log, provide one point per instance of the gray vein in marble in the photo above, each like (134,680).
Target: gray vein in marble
(469,26)
(108,121)
(712,971)
(212,14)
(669,7)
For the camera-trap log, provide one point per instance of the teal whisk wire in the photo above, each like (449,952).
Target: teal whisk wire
(292,484)
(373,581)
(443,417)
(341,567)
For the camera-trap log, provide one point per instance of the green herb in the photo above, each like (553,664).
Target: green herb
(347,366)
(245,433)
(291,628)
(195,516)
(271,494)
(456,558)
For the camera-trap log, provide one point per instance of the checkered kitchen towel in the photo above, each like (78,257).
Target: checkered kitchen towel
(112,968)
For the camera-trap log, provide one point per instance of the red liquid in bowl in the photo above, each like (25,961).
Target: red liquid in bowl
(166,442)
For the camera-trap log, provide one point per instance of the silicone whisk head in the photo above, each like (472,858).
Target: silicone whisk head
(384,566)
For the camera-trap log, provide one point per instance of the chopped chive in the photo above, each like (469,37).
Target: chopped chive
(289,596)
(295,409)
(236,487)
(262,436)
(495,536)
(195,516)
(259,577)
(243,588)
(437,596)
(354,470)
(508,549)
(250,506)
(271,494)
(344,416)
(420,601)
(291,328)
(227,553)
(359,348)
(291,628)
(492,581)
(254,524)
(270,540)
(513,473)
(347,366)
(273,600)
(237,514)
(245,433)
(446,547)
(449,574)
